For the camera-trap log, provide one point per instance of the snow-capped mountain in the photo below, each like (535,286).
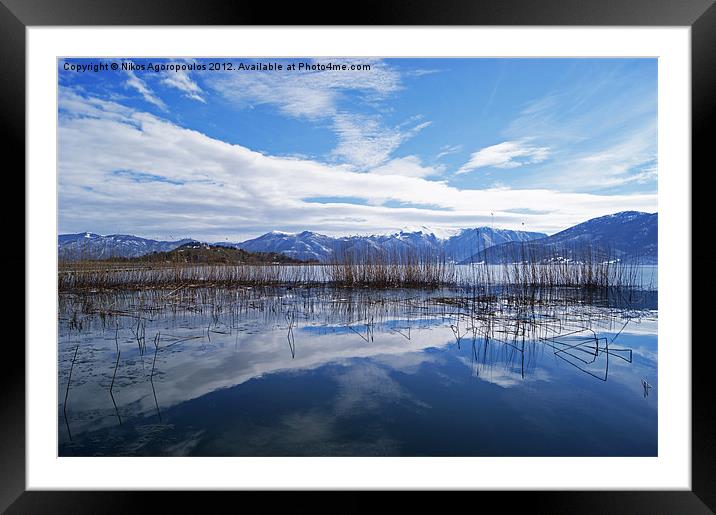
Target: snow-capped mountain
(458,246)
(471,241)
(628,236)
(87,245)
(305,245)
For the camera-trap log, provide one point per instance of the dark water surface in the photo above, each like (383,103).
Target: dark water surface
(295,372)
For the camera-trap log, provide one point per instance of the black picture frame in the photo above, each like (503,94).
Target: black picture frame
(699,15)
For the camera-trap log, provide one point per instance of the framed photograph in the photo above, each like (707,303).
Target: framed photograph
(422,251)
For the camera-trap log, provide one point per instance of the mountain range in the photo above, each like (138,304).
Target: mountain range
(308,245)
(627,236)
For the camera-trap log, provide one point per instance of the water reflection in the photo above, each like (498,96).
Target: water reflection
(353,372)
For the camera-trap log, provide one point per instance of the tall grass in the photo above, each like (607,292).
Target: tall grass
(530,266)
(390,268)
(83,276)
(587,268)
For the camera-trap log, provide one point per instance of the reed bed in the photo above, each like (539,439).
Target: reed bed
(380,270)
(384,269)
(528,267)
(556,275)
(107,278)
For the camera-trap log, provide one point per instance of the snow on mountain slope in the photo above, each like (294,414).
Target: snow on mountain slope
(627,236)
(94,246)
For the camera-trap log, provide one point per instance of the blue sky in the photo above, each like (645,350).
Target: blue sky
(539,144)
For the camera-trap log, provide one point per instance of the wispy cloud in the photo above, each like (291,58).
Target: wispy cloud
(600,126)
(446,150)
(364,139)
(630,160)
(141,87)
(181,80)
(509,154)
(422,71)
(366,142)
(309,94)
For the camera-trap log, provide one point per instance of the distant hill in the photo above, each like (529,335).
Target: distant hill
(204,253)
(87,245)
(629,236)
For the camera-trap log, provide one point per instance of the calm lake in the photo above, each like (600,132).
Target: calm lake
(356,372)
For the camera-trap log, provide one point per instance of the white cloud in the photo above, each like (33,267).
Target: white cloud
(421,72)
(446,150)
(365,142)
(140,86)
(183,82)
(306,94)
(209,189)
(509,154)
(73,104)
(409,166)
